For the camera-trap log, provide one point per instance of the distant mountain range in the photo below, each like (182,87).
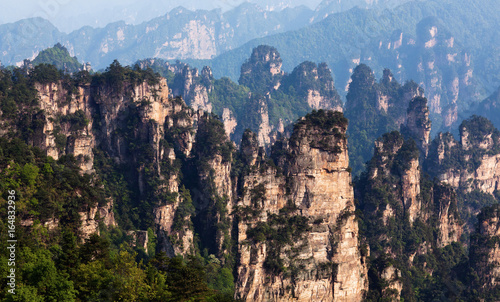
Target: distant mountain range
(179,34)
(450,48)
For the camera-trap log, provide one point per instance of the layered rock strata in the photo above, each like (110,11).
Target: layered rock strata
(320,259)
(70,128)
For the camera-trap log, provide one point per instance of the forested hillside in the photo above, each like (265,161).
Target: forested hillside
(265,99)
(126,193)
(449,48)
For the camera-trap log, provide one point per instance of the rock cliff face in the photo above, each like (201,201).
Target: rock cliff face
(60,137)
(374,109)
(443,92)
(262,71)
(394,156)
(68,130)
(71,119)
(229,121)
(214,193)
(410,187)
(315,84)
(471,163)
(392,98)
(182,172)
(418,124)
(485,250)
(319,259)
(191,89)
(267,98)
(400,206)
(448,219)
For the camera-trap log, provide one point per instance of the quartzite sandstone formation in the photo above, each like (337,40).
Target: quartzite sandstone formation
(485,250)
(70,128)
(319,259)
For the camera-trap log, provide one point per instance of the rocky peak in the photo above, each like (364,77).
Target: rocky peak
(194,89)
(386,148)
(478,132)
(489,222)
(395,156)
(474,157)
(374,109)
(399,204)
(314,195)
(388,145)
(207,78)
(410,91)
(189,75)
(361,89)
(387,77)
(418,124)
(267,55)
(324,130)
(428,30)
(470,166)
(305,70)
(206,73)
(262,71)
(315,83)
(439,150)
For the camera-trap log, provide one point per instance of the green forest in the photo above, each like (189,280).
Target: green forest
(53,261)
(57,261)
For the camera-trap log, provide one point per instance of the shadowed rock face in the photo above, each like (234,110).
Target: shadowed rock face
(485,250)
(399,204)
(418,124)
(448,219)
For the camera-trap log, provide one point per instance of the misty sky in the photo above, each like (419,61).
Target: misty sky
(69,15)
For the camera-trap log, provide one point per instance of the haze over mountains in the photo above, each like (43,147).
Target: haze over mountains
(215,31)
(450,48)
(68,16)
(289,155)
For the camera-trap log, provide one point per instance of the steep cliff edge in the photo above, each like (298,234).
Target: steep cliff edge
(471,163)
(418,124)
(406,218)
(485,252)
(126,118)
(298,239)
(374,109)
(275,98)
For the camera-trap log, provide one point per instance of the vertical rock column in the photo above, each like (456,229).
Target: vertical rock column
(324,264)
(485,251)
